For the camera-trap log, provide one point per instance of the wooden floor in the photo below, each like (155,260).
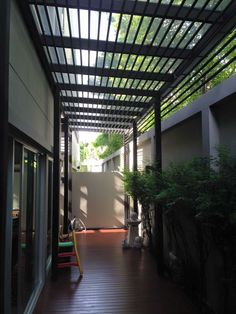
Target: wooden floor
(114,281)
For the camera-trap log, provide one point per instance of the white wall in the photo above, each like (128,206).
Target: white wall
(30,97)
(98,199)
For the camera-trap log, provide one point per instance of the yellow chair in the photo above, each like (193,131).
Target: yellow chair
(70,244)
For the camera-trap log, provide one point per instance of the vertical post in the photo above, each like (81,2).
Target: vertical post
(135,163)
(56,182)
(4,90)
(70,172)
(126,167)
(66,174)
(158,210)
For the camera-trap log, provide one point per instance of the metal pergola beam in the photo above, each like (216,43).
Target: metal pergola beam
(213,37)
(104,102)
(141,8)
(115,47)
(107,118)
(142,75)
(98,129)
(107,90)
(116,113)
(113,125)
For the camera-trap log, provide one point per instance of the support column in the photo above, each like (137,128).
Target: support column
(70,173)
(4,90)
(135,161)
(210,133)
(158,236)
(56,182)
(126,166)
(66,174)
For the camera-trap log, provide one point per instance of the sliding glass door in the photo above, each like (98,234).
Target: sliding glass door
(28,236)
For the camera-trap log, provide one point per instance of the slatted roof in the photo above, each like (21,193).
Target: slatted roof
(110,59)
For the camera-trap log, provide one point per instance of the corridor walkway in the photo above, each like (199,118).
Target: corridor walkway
(115,281)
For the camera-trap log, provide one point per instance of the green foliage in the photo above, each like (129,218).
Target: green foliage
(107,144)
(205,188)
(83,151)
(145,185)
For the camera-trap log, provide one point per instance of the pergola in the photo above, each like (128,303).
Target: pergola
(114,64)
(112,60)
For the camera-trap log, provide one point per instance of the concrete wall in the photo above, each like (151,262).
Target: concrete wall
(225,117)
(98,199)
(30,97)
(183,141)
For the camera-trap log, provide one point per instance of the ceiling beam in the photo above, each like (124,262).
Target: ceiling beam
(141,8)
(115,47)
(105,102)
(117,113)
(100,130)
(106,90)
(105,119)
(112,72)
(101,125)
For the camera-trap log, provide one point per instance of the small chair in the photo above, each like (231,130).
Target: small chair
(70,244)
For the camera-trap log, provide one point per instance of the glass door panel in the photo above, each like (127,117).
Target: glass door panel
(28,226)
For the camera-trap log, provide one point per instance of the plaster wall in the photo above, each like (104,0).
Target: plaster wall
(30,97)
(225,117)
(182,142)
(98,199)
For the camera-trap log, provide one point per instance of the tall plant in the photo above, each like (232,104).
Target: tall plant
(144,185)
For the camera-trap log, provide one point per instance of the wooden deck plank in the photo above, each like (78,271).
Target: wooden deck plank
(115,281)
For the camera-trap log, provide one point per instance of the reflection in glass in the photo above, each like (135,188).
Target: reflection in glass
(49,216)
(28,223)
(16,207)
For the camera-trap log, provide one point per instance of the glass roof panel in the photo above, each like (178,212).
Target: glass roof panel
(133,28)
(36,19)
(92,58)
(108,59)
(123,61)
(53,21)
(104,25)
(198,36)
(188,3)
(77,56)
(83,19)
(94,18)
(74,25)
(84,57)
(63,19)
(154,26)
(166,23)
(69,57)
(44,20)
(143,29)
(125,20)
(100,59)
(114,26)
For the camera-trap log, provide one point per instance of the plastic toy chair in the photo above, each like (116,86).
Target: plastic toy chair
(70,244)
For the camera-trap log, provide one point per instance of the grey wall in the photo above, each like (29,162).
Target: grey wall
(183,141)
(98,199)
(31,100)
(195,130)
(225,115)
